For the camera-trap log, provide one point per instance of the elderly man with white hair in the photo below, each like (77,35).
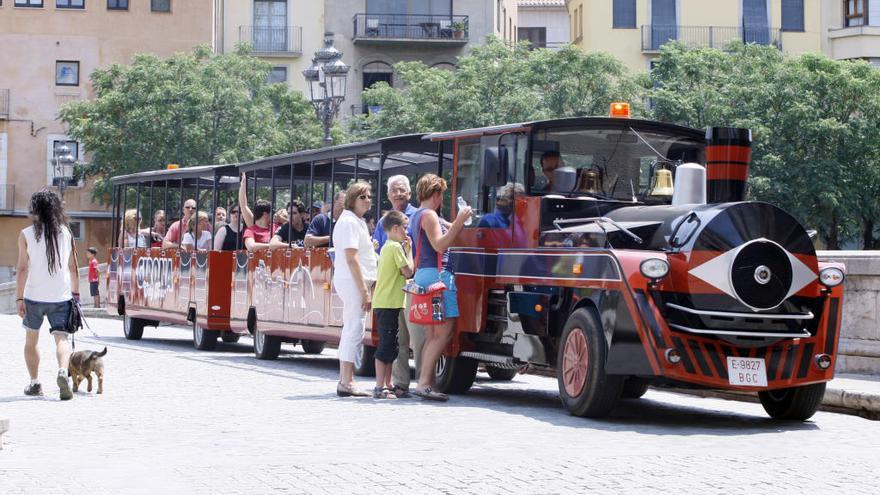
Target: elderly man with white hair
(409,334)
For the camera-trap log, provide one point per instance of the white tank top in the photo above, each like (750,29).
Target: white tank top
(42,286)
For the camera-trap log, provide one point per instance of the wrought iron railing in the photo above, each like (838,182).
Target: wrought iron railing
(654,36)
(4,103)
(411,27)
(280,40)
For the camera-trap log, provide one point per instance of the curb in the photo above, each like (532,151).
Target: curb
(838,400)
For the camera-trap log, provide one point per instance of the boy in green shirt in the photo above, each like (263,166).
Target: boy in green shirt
(395,266)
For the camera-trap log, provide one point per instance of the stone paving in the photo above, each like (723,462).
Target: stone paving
(176,420)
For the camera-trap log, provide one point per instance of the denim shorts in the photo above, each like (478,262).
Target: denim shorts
(387,320)
(56,312)
(428,276)
(93,289)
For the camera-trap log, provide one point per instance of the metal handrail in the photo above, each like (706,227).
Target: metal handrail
(411,26)
(284,39)
(654,36)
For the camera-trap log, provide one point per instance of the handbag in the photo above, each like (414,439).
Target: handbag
(426,306)
(74,317)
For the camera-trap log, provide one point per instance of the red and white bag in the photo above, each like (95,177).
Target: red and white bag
(426,303)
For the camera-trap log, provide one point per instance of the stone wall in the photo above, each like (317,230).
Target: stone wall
(859,350)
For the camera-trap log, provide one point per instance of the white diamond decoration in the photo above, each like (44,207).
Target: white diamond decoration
(716,272)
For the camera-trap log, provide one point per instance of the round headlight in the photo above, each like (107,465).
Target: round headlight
(654,268)
(831,276)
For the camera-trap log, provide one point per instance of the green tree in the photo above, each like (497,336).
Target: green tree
(813,122)
(191,109)
(496,84)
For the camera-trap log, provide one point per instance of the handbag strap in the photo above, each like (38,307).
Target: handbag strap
(419,247)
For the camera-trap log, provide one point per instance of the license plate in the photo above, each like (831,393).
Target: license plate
(748,372)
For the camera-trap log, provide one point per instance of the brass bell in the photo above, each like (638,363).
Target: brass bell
(662,183)
(589,182)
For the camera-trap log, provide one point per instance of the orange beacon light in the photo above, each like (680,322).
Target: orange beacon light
(620,109)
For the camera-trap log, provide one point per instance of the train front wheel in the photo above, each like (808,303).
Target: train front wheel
(798,403)
(584,387)
(204,340)
(133,328)
(455,375)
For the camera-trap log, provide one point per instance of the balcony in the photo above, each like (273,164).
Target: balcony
(449,30)
(273,41)
(707,36)
(4,104)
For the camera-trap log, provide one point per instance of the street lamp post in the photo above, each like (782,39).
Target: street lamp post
(326,79)
(61,160)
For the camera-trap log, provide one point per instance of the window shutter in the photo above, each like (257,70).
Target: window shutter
(624,14)
(792,15)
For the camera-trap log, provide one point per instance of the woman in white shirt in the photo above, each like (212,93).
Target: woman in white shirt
(203,230)
(132,233)
(354,272)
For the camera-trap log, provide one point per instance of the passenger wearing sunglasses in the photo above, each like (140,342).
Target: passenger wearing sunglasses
(174,235)
(228,236)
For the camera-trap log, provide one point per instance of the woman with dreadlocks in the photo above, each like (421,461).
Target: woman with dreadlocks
(46,284)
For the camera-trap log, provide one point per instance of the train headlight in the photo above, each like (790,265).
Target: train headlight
(654,268)
(831,276)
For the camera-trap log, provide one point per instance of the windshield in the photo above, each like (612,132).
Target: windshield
(613,163)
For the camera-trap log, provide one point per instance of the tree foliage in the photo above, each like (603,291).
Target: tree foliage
(191,109)
(496,84)
(814,122)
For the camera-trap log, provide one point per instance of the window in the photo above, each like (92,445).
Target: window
(28,3)
(792,15)
(375,72)
(504,23)
(117,4)
(854,13)
(160,5)
(498,15)
(277,75)
(65,175)
(624,16)
(663,22)
(756,22)
(70,4)
(66,73)
(537,36)
(78,229)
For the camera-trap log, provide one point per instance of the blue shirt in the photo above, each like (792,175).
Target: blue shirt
(380,235)
(496,219)
(320,225)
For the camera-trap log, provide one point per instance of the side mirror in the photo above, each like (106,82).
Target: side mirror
(495,166)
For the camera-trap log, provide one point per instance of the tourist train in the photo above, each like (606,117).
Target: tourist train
(627,256)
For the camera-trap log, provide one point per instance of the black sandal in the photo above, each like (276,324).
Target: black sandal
(429,394)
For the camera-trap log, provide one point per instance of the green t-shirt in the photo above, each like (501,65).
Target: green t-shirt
(389,280)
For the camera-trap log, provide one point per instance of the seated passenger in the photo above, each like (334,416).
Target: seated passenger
(204,241)
(219,217)
(294,231)
(258,235)
(175,232)
(132,236)
(158,229)
(228,236)
(319,230)
(504,205)
(280,217)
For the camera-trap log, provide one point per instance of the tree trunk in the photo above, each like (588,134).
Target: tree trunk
(834,233)
(868,235)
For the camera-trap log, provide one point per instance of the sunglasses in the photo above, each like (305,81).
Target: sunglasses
(233,212)
(365,196)
(189,207)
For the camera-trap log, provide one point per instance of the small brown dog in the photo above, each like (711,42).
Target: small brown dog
(83,364)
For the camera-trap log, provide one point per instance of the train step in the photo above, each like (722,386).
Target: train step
(497,360)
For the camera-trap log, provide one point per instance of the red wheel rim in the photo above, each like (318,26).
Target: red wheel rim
(575,360)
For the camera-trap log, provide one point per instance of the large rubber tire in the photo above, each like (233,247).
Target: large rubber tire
(366,363)
(634,388)
(312,346)
(266,347)
(229,337)
(133,328)
(500,374)
(799,403)
(204,340)
(455,375)
(584,387)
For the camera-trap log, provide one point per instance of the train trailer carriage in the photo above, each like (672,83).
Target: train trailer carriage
(629,257)
(148,284)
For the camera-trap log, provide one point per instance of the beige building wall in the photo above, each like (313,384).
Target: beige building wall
(32,40)
(506,20)
(303,35)
(592,27)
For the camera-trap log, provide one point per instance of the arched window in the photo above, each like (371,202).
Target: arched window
(374,72)
(444,65)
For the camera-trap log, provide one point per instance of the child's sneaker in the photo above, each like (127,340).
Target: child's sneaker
(383,393)
(34,390)
(64,385)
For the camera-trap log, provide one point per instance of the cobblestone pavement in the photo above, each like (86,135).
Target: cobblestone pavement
(175,420)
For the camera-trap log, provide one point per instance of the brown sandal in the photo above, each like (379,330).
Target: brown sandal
(383,393)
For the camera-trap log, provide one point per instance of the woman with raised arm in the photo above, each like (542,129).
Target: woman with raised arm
(432,236)
(354,272)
